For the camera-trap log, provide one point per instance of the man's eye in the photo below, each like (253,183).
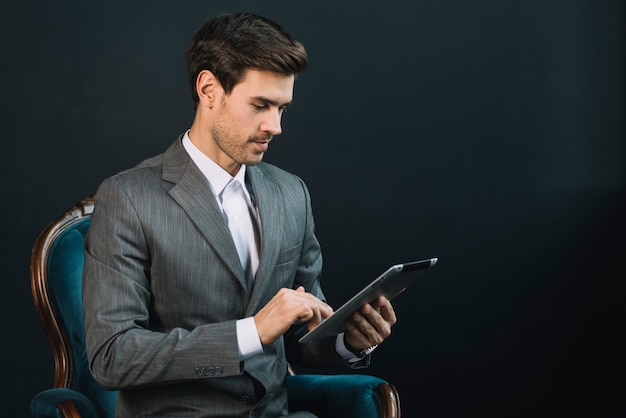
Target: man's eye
(258,107)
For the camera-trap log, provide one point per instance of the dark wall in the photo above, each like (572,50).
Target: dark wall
(489,134)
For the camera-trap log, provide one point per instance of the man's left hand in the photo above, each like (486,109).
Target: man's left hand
(370,325)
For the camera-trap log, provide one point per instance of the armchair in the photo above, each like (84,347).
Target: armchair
(56,283)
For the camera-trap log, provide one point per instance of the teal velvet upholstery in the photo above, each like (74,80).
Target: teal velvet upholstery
(56,278)
(337,396)
(44,404)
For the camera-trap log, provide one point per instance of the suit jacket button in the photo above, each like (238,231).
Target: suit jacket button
(219,371)
(246,399)
(198,372)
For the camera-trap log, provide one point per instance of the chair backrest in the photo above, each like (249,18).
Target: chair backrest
(56,282)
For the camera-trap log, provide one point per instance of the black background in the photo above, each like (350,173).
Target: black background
(489,134)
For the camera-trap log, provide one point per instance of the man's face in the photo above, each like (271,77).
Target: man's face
(247,119)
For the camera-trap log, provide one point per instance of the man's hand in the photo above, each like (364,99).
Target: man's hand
(370,325)
(287,307)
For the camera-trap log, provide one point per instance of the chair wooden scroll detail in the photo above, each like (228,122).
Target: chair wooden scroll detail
(56,284)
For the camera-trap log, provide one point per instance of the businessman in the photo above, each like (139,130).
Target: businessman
(202,268)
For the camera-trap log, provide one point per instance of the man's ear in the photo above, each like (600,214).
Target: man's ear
(207,86)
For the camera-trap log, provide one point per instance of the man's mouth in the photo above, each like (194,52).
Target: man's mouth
(261,144)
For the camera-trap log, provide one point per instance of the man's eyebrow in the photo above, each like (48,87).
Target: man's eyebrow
(269,101)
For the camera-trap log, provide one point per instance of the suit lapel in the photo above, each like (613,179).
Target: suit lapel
(267,196)
(193,193)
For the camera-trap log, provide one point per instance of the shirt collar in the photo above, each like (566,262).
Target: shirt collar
(217,177)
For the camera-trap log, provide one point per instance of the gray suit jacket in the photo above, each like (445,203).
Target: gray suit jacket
(163,287)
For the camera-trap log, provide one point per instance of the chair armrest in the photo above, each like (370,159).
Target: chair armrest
(389,400)
(52,403)
(345,395)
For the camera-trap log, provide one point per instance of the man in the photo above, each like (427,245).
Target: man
(193,308)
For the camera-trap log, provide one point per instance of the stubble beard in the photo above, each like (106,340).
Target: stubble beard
(235,149)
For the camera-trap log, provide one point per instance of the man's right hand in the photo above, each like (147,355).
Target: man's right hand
(287,307)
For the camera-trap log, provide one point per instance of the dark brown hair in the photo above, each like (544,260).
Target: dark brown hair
(230,44)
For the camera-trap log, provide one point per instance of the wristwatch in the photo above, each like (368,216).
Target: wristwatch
(367,350)
(361,353)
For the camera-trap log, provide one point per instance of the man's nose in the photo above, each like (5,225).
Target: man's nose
(271,123)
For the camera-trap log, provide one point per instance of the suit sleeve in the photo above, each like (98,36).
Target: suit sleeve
(123,350)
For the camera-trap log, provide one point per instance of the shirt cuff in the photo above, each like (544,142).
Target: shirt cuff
(248,338)
(342,350)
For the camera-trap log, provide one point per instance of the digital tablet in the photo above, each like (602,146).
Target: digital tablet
(390,284)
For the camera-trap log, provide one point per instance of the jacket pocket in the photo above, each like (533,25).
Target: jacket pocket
(288,255)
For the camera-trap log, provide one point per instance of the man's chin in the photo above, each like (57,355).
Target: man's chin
(255,160)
